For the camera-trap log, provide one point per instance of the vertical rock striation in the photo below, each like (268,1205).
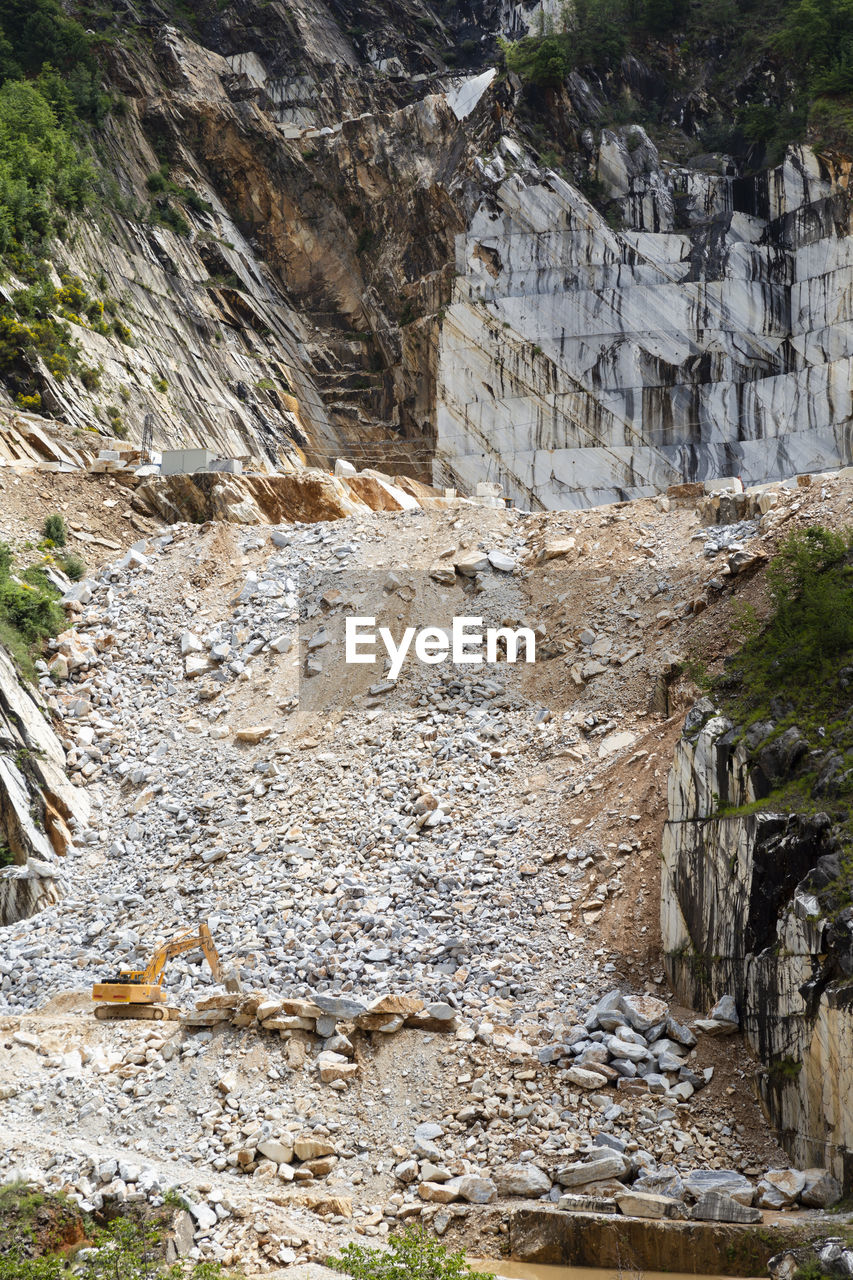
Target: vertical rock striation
(580,364)
(39,807)
(740,913)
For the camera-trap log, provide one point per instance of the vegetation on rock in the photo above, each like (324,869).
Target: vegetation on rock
(47,1237)
(790,73)
(809,631)
(29,611)
(49,90)
(790,688)
(414,1255)
(55,530)
(35,326)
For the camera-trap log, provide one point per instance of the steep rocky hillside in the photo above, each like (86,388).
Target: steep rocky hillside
(313,233)
(550,958)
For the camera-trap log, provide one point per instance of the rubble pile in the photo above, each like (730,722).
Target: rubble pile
(439,893)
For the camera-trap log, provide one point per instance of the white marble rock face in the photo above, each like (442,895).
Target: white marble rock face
(712,868)
(580,365)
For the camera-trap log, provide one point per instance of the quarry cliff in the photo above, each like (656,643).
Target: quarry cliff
(325,234)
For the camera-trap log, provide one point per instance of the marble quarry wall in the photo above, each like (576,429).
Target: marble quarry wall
(580,364)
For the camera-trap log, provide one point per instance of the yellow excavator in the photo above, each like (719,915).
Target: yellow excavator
(138,993)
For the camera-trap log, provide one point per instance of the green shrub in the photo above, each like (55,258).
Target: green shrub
(15,644)
(55,531)
(73,566)
(544,62)
(811,624)
(72,295)
(592,34)
(195,201)
(167,215)
(414,1255)
(30,328)
(38,40)
(116,424)
(35,614)
(36,577)
(805,47)
(125,1250)
(816,36)
(90,378)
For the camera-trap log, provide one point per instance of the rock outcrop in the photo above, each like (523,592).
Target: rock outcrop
(305,496)
(288,312)
(39,807)
(740,913)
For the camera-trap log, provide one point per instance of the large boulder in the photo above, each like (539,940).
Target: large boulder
(585,1079)
(640,1204)
(728,1182)
(780,1188)
(665,1181)
(644,1012)
(522,1180)
(473,1188)
(716,1206)
(830,1256)
(607,1165)
(725,1010)
(821,1190)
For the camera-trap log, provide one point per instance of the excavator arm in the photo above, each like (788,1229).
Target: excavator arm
(211,955)
(184,942)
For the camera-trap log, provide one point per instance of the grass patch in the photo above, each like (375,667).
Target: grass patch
(73,566)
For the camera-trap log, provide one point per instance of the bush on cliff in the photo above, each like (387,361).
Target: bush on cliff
(29,613)
(805,47)
(42,174)
(414,1255)
(810,628)
(38,41)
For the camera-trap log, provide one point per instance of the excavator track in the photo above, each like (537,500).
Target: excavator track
(146,1012)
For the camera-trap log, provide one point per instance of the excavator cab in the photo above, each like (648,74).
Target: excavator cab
(124,976)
